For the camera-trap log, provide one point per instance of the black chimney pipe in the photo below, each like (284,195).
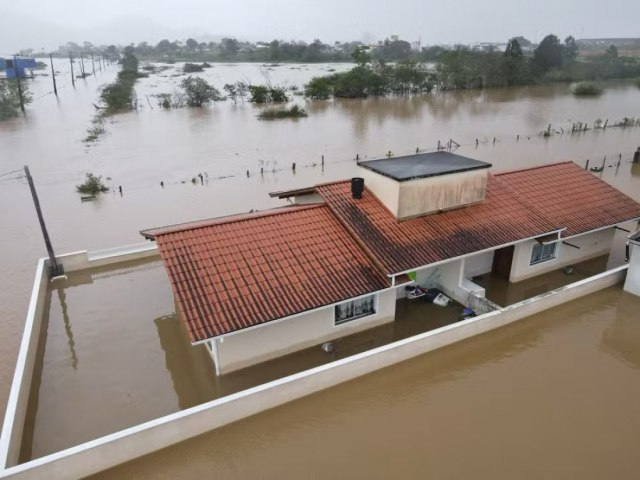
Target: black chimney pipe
(357,187)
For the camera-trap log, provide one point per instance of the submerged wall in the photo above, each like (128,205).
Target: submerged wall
(632,283)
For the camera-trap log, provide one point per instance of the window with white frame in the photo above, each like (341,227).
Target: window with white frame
(361,307)
(542,253)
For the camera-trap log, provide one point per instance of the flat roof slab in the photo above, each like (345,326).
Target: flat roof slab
(423,165)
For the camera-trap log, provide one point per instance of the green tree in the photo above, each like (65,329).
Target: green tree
(612,52)
(319,88)
(274,50)
(394,50)
(191,44)
(10,98)
(229,47)
(164,46)
(570,50)
(549,54)
(361,56)
(198,92)
(92,185)
(514,63)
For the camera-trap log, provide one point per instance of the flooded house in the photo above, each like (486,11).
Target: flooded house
(341,257)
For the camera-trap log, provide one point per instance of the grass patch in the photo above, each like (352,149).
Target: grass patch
(587,89)
(294,111)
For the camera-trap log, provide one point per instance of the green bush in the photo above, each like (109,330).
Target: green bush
(10,99)
(259,94)
(120,95)
(294,111)
(198,92)
(587,89)
(192,68)
(92,185)
(319,88)
(267,94)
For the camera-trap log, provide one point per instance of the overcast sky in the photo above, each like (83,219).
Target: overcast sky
(48,23)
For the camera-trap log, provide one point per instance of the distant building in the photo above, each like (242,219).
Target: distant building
(22,66)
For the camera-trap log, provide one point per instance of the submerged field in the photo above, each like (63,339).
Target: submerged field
(143,148)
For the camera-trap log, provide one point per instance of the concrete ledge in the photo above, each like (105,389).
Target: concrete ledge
(11,438)
(83,259)
(111,450)
(15,414)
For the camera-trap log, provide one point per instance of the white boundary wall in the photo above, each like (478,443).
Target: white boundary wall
(12,429)
(125,445)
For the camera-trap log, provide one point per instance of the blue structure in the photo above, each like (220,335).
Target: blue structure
(22,64)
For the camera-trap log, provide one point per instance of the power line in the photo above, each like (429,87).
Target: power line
(9,173)
(10,179)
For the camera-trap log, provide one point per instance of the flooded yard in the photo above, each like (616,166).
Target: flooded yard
(551,396)
(112,343)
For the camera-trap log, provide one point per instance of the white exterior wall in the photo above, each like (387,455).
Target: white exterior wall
(384,188)
(591,245)
(308,199)
(632,283)
(280,337)
(426,195)
(442,192)
(448,277)
(478,264)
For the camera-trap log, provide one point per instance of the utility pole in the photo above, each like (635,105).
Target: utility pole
(73,80)
(17,72)
(55,269)
(53,75)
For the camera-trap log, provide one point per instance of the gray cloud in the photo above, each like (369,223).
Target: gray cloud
(43,23)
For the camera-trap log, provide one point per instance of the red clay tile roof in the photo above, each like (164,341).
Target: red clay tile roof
(520,204)
(242,271)
(409,244)
(572,197)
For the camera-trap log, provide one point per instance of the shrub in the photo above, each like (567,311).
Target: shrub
(192,68)
(97,129)
(278,94)
(587,89)
(267,94)
(258,94)
(198,92)
(10,99)
(120,95)
(167,100)
(319,88)
(92,185)
(294,111)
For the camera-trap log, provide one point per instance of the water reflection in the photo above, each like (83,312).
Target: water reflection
(622,338)
(67,327)
(191,368)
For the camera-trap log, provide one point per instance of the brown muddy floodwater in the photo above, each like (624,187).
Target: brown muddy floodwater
(551,396)
(405,433)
